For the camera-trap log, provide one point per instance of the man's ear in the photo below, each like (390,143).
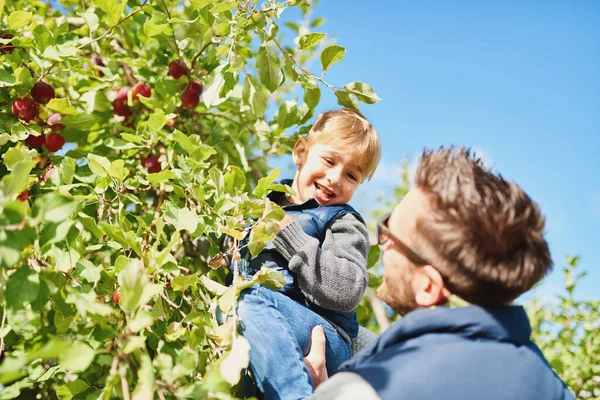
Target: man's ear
(300,151)
(429,286)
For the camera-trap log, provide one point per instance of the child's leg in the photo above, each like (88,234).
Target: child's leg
(279,329)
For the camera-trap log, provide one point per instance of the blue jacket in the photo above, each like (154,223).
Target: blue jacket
(462,353)
(314,220)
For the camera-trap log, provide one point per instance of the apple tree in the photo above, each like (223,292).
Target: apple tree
(134,138)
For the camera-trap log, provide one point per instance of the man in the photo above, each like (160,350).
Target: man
(467,232)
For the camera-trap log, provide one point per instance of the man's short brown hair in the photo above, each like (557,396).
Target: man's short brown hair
(484,234)
(349,129)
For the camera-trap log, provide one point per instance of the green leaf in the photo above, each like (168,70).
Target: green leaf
(66,392)
(363,92)
(53,207)
(19,19)
(234,180)
(212,286)
(88,271)
(141,320)
(287,114)
(22,288)
(15,182)
(161,176)
(374,252)
(264,184)
(180,218)
(254,96)
(232,232)
(236,361)
(133,343)
(99,165)
(261,233)
(90,224)
(12,242)
(91,19)
(157,120)
(43,37)
(345,99)
(330,55)
(77,356)
(310,40)
(201,3)
(67,170)
(268,66)
(269,277)
(212,91)
(113,8)
(132,138)
(83,122)
(118,171)
(145,383)
(182,282)
(54,232)
(61,106)
(224,6)
(312,93)
(135,288)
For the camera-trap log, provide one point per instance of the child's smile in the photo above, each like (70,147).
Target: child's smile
(327,173)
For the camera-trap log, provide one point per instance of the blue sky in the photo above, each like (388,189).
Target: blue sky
(517,81)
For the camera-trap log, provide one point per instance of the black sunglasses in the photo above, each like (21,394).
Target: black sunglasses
(384,235)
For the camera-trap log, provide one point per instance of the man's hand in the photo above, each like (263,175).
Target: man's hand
(315,360)
(284,222)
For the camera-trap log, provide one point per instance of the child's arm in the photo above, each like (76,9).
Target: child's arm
(333,276)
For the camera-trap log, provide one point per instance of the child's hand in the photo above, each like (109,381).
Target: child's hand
(284,222)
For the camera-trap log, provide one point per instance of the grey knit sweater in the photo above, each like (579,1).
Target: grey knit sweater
(334,275)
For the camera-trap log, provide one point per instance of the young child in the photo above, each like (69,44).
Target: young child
(321,248)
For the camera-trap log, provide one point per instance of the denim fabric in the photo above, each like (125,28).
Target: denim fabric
(314,220)
(279,331)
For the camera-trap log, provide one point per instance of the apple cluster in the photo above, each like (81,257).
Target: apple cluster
(191,95)
(26,109)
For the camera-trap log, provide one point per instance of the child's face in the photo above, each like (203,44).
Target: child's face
(327,173)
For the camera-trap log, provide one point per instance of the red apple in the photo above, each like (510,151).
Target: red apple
(25,109)
(190,99)
(122,94)
(120,108)
(35,141)
(151,163)
(196,87)
(116,298)
(54,142)
(42,92)
(142,89)
(176,69)
(23,196)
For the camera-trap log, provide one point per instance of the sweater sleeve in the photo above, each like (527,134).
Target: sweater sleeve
(333,276)
(345,386)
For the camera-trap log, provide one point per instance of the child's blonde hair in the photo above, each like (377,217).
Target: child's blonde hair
(350,129)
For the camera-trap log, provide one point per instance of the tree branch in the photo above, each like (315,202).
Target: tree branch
(199,53)
(109,30)
(124,384)
(2,327)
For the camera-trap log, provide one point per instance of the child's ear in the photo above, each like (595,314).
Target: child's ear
(300,151)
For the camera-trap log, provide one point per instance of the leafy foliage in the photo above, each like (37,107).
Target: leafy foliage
(112,250)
